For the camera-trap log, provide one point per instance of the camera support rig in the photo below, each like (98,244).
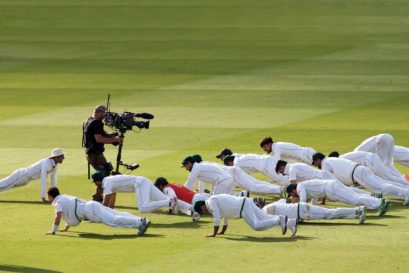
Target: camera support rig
(121,122)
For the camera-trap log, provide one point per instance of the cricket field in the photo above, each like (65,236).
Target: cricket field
(215,73)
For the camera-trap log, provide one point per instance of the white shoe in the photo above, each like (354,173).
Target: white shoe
(283,223)
(406,201)
(292,225)
(143,227)
(361,214)
(196,217)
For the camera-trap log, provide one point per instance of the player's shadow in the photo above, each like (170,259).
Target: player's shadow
(20,268)
(387,216)
(190,224)
(284,239)
(330,224)
(88,235)
(24,202)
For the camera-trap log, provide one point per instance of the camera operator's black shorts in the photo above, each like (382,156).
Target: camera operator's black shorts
(96,160)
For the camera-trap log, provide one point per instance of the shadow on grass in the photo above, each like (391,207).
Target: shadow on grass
(285,239)
(329,224)
(190,224)
(19,268)
(24,202)
(386,216)
(88,235)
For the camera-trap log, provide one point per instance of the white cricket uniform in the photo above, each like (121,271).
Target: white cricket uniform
(292,151)
(40,169)
(383,146)
(230,207)
(374,163)
(299,172)
(401,155)
(148,197)
(183,206)
(249,183)
(336,191)
(265,164)
(304,211)
(222,181)
(75,210)
(349,173)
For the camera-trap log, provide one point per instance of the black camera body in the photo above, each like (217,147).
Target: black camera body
(126,120)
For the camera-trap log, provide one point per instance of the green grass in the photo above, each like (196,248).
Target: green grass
(216,74)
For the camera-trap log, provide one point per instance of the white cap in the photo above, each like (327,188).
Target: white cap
(56,152)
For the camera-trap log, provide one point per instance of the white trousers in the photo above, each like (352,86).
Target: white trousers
(16,179)
(225,186)
(311,212)
(150,198)
(337,191)
(307,154)
(96,212)
(369,180)
(184,207)
(384,149)
(256,218)
(258,186)
(401,155)
(379,169)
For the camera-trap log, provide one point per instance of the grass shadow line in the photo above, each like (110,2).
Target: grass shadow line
(20,268)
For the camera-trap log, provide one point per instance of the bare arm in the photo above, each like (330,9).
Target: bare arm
(108,140)
(107,200)
(57,221)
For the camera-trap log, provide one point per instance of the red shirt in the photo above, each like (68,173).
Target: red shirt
(182,193)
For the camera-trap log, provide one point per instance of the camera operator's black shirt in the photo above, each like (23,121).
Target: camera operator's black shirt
(93,127)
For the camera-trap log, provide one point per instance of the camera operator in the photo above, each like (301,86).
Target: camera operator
(94,138)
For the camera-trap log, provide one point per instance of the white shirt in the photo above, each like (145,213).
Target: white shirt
(42,169)
(169,192)
(66,205)
(240,177)
(289,150)
(265,164)
(206,172)
(312,189)
(360,157)
(122,183)
(400,153)
(302,172)
(341,168)
(224,206)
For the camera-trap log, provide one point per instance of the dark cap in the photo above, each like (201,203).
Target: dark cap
(228,159)
(98,176)
(291,187)
(317,156)
(100,108)
(334,154)
(187,160)
(197,158)
(198,206)
(266,140)
(224,153)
